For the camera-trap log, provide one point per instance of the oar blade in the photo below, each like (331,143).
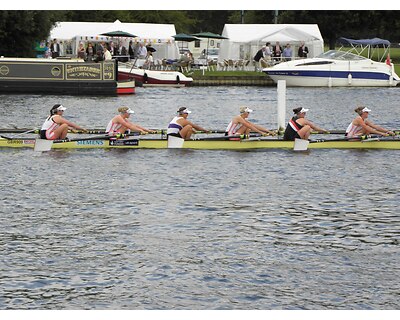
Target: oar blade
(300,145)
(43,145)
(175,142)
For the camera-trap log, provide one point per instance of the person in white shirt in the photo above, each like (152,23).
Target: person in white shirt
(107,54)
(268,52)
(142,51)
(149,61)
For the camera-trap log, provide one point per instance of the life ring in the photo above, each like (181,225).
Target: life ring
(145,78)
(178,80)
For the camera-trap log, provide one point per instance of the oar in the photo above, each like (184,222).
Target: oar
(20,134)
(302,145)
(21,130)
(234,137)
(100,131)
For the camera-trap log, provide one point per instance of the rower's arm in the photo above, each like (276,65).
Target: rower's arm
(70,124)
(196,127)
(368,128)
(379,128)
(250,125)
(144,129)
(136,128)
(315,127)
(263,129)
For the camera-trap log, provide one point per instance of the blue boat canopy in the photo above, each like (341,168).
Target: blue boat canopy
(365,42)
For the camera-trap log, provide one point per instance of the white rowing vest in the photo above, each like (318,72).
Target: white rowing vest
(232,128)
(49,124)
(174,127)
(353,130)
(113,127)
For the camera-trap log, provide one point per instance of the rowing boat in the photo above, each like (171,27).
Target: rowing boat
(210,144)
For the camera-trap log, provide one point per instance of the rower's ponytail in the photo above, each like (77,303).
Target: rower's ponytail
(358,110)
(297,110)
(54,110)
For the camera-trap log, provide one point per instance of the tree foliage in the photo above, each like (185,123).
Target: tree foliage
(20,30)
(349,24)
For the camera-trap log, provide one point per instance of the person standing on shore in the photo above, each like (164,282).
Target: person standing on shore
(303,51)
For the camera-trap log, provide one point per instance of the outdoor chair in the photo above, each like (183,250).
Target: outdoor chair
(212,65)
(240,64)
(165,65)
(231,64)
(221,65)
(184,66)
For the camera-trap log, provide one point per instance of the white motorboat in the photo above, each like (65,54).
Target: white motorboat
(144,77)
(339,68)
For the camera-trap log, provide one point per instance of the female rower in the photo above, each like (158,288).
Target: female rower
(240,124)
(55,126)
(299,127)
(120,124)
(181,127)
(361,125)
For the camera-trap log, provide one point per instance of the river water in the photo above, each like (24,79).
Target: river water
(193,229)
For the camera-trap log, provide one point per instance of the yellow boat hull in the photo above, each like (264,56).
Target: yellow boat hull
(206,144)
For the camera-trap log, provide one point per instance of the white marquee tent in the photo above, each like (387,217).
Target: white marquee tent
(158,36)
(244,40)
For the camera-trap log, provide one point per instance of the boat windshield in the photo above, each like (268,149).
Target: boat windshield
(340,55)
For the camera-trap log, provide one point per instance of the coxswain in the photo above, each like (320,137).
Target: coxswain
(181,127)
(120,124)
(299,127)
(55,126)
(361,125)
(240,125)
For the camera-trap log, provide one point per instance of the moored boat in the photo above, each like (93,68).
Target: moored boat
(146,78)
(339,68)
(61,76)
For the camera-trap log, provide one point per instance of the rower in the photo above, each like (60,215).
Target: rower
(240,125)
(120,124)
(299,127)
(55,126)
(181,127)
(361,125)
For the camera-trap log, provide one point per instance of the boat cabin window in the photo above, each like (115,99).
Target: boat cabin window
(314,63)
(340,55)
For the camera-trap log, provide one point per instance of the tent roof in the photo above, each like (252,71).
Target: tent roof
(288,34)
(270,32)
(69,30)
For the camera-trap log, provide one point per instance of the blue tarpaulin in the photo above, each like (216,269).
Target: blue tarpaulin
(365,42)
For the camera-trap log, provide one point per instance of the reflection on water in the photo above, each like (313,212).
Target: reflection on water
(173,229)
